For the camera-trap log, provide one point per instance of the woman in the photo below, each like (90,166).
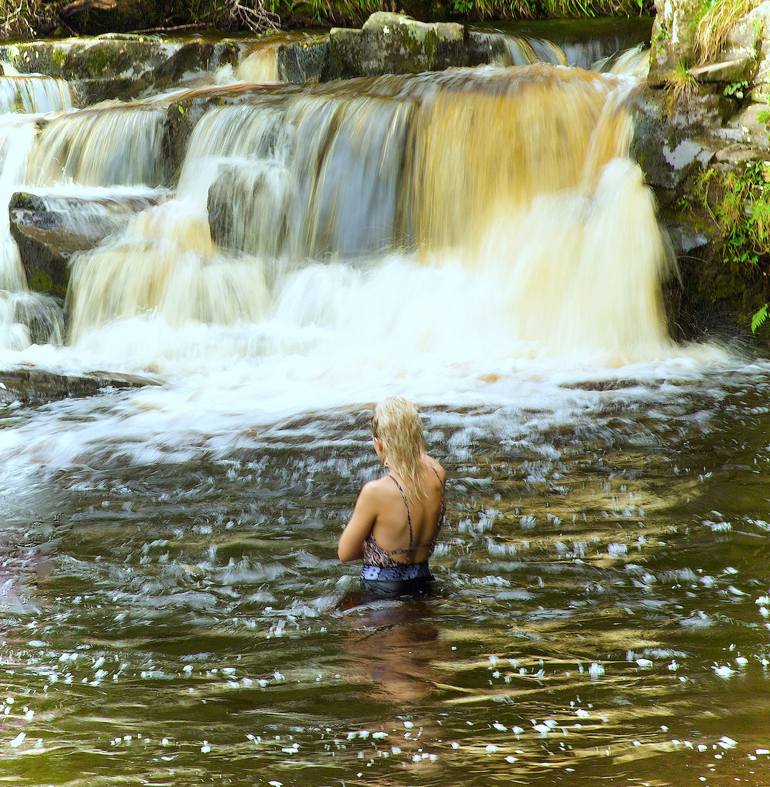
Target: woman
(396,520)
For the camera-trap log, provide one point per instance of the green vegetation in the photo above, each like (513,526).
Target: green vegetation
(680,87)
(760,318)
(736,89)
(23,19)
(738,204)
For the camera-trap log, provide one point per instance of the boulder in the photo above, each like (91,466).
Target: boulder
(395,44)
(88,58)
(31,385)
(759,19)
(674,43)
(673,36)
(49,230)
(303,61)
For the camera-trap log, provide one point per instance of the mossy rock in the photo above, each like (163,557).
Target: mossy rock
(395,44)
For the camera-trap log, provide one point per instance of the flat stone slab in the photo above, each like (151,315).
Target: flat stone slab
(36,386)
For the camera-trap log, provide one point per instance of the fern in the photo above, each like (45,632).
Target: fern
(760,318)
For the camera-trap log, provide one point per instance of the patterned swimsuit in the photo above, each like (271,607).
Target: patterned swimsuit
(381,572)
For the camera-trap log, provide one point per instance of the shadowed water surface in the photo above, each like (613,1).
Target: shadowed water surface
(600,613)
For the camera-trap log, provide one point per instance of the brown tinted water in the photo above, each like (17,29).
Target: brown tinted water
(172,610)
(182,619)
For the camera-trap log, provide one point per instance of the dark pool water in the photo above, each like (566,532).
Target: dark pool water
(600,615)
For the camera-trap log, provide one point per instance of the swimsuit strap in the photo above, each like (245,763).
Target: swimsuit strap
(408,515)
(442,510)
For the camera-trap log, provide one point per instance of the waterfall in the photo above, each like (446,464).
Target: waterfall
(25,317)
(259,66)
(33,94)
(101,147)
(348,209)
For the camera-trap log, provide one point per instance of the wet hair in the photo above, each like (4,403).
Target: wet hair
(396,422)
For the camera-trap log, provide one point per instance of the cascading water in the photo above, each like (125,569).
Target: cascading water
(33,94)
(119,146)
(24,316)
(471,193)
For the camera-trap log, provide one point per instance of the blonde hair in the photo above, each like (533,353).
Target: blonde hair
(396,422)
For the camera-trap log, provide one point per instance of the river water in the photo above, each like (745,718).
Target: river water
(172,608)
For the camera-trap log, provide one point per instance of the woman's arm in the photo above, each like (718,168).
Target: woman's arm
(351,546)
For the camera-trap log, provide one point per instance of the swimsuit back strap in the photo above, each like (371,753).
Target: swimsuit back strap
(442,510)
(408,515)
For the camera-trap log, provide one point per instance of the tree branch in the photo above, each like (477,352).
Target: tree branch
(84,5)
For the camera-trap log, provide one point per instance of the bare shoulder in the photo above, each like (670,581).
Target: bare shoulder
(437,467)
(375,490)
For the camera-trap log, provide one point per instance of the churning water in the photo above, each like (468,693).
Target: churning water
(173,610)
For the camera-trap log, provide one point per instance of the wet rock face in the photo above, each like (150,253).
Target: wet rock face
(35,386)
(672,143)
(303,61)
(680,148)
(701,149)
(49,230)
(395,44)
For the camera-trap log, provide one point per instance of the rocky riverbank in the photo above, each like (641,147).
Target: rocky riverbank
(702,140)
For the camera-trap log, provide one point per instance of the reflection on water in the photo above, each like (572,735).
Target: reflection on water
(601,613)
(393,646)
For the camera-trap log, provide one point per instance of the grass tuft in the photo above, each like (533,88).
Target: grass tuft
(717,19)
(681,86)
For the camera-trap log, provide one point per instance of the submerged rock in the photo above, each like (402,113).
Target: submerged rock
(48,230)
(37,386)
(395,44)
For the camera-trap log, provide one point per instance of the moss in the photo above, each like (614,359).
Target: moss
(662,35)
(738,201)
(41,281)
(58,59)
(97,59)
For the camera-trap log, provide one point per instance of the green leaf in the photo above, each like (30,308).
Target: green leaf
(760,318)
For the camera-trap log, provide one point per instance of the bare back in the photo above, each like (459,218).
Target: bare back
(396,511)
